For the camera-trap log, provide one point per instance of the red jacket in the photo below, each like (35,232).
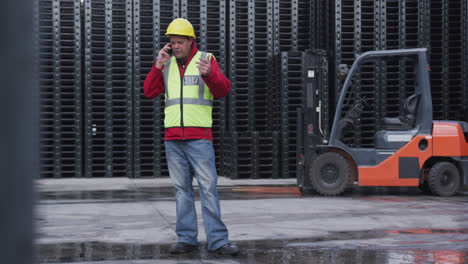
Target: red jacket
(218,84)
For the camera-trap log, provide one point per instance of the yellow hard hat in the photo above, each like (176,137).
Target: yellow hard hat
(181,27)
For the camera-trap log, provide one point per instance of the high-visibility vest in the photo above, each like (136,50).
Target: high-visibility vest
(188,101)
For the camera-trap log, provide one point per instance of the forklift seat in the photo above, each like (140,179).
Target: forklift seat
(406,121)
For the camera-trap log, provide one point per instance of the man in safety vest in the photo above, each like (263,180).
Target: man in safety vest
(190,79)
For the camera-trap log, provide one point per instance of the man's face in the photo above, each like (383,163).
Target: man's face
(181,46)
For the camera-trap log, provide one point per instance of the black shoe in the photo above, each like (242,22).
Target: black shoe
(182,248)
(227,249)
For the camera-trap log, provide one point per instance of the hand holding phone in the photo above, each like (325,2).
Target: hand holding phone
(164,55)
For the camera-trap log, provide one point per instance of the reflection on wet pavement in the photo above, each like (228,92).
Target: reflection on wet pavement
(418,245)
(383,194)
(265,251)
(166,193)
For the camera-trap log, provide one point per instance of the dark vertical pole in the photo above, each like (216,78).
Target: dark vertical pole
(232,67)
(136,90)
(445,60)
(313,22)
(234,155)
(276,155)
(203,25)
(108,88)
(427,27)
(324,98)
(129,88)
(276,27)
(379,96)
(383,66)
(383,80)
(402,45)
(78,91)
(337,47)
(357,50)
(464,69)
(88,92)
(294,24)
(421,23)
(255,155)
(157,102)
(270,55)
(222,64)
(251,65)
(19,136)
(284,115)
(57,89)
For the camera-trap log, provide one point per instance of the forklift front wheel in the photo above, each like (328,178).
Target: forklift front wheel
(329,173)
(444,179)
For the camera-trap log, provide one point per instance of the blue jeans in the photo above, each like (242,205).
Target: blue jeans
(182,155)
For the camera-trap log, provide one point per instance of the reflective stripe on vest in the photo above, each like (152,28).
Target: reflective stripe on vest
(197,108)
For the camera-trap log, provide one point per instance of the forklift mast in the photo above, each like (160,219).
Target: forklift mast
(312,119)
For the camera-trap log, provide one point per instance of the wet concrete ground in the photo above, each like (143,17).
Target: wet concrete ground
(132,221)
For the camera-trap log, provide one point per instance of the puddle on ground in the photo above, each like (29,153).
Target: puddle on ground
(271,251)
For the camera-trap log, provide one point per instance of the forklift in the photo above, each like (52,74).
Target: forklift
(411,149)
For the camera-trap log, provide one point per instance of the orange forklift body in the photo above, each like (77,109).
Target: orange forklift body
(410,150)
(447,140)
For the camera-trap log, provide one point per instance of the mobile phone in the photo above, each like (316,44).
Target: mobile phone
(169,51)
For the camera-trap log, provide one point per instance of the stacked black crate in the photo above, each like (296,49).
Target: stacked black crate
(404,24)
(464,74)
(370,85)
(250,151)
(238,161)
(59,39)
(358,29)
(347,33)
(445,59)
(322,20)
(208,18)
(288,101)
(294,23)
(151,19)
(265,140)
(108,82)
(375,25)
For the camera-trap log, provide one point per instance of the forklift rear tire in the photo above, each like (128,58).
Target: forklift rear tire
(444,179)
(329,174)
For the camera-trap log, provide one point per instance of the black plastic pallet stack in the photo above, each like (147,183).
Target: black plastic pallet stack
(376,25)
(108,83)
(241,104)
(446,59)
(404,25)
(251,155)
(96,121)
(250,68)
(151,19)
(293,24)
(209,19)
(250,100)
(289,96)
(358,28)
(464,73)
(59,40)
